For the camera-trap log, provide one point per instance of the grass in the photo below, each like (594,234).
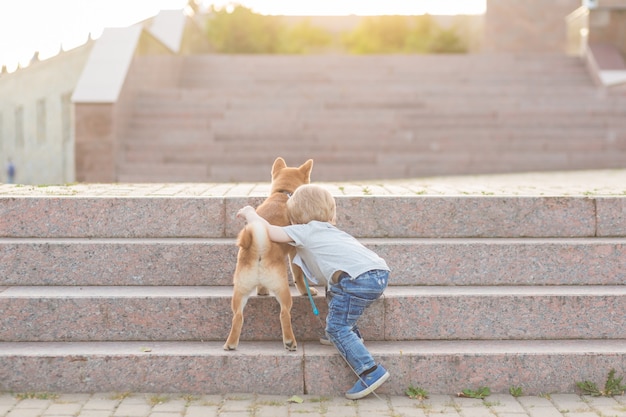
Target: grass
(158,399)
(416,393)
(36,396)
(612,386)
(120,396)
(479,393)
(515,391)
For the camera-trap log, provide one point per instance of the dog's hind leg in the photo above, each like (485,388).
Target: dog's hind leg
(238,303)
(283,295)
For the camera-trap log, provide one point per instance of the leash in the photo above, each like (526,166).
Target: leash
(308,291)
(317,314)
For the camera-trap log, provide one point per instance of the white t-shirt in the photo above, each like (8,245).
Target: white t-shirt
(322,249)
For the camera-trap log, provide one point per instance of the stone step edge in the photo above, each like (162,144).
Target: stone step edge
(211,261)
(444,367)
(232,241)
(402,313)
(220,291)
(405,216)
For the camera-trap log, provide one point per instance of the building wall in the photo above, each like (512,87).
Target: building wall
(527,25)
(36,128)
(608,25)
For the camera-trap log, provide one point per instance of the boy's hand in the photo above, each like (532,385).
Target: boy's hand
(276,233)
(246,212)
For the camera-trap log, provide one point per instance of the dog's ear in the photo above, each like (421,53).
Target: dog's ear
(279,164)
(306,169)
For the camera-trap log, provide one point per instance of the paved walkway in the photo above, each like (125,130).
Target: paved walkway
(574,183)
(249,405)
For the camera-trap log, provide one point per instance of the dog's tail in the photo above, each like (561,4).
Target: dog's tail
(254,236)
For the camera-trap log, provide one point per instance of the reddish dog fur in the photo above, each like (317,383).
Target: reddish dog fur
(261,263)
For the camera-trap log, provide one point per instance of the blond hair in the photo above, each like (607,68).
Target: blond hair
(311,202)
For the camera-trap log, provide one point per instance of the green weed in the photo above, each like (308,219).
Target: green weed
(515,391)
(416,393)
(479,393)
(612,386)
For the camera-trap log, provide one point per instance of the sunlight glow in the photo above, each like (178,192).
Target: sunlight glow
(48,26)
(365,8)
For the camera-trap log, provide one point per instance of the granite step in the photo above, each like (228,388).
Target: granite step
(346,65)
(161,215)
(414,261)
(435,146)
(219,100)
(426,160)
(538,367)
(104,313)
(311,106)
(127,288)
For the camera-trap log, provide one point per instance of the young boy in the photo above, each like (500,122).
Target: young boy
(354,275)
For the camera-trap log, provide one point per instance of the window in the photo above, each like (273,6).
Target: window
(66,117)
(41,120)
(19,127)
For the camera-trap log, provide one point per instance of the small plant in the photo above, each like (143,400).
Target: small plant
(613,386)
(480,393)
(157,399)
(36,396)
(189,398)
(515,391)
(319,399)
(416,393)
(120,396)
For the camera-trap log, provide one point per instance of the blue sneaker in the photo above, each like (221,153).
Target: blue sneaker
(324,340)
(368,383)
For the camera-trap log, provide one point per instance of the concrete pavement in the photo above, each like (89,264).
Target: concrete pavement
(251,405)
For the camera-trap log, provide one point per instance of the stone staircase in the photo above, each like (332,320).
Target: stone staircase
(116,288)
(372,117)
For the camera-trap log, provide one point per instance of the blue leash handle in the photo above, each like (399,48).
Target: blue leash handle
(308,291)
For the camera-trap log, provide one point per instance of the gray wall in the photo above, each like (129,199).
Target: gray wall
(36,128)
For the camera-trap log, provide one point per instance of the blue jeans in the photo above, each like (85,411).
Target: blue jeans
(347,300)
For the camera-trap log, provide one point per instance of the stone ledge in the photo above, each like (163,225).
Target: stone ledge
(401,216)
(403,313)
(561,183)
(413,261)
(265,368)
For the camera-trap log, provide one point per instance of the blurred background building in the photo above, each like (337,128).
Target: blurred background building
(532,85)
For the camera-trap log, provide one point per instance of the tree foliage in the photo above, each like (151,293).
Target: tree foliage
(402,34)
(373,35)
(240,30)
(243,31)
(303,38)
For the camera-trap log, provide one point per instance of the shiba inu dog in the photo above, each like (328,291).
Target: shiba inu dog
(261,263)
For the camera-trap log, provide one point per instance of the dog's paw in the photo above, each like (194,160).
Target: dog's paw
(306,294)
(230,347)
(291,346)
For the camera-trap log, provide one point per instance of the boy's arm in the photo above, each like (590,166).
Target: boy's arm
(276,233)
